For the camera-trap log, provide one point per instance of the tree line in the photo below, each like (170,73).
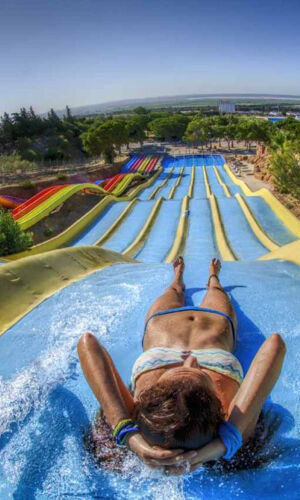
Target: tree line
(36,138)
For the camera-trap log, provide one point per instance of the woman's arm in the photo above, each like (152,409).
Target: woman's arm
(113,395)
(104,380)
(261,377)
(246,406)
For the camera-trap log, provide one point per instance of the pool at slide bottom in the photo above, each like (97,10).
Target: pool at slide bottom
(46,404)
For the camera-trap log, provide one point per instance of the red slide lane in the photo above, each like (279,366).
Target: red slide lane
(114,181)
(136,165)
(36,200)
(152,164)
(32,199)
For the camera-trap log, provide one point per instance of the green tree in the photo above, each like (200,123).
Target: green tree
(12,238)
(196,132)
(170,127)
(285,167)
(136,129)
(140,110)
(68,116)
(104,138)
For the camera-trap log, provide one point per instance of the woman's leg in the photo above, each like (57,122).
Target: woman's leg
(174,295)
(216,297)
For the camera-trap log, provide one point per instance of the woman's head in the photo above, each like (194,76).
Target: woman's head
(179,411)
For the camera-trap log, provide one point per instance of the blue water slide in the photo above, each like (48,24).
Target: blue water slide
(101,224)
(144,195)
(47,405)
(199,186)
(240,235)
(128,165)
(215,186)
(225,178)
(269,221)
(183,188)
(200,244)
(131,227)
(162,234)
(165,190)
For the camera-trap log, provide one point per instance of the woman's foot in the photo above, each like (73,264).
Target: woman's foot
(214,267)
(178,265)
(214,270)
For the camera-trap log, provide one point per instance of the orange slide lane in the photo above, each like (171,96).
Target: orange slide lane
(5,202)
(36,200)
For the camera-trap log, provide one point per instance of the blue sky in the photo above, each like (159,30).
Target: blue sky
(78,52)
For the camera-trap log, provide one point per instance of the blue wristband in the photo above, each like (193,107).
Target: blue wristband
(232,439)
(123,433)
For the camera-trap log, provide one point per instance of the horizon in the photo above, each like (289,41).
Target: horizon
(84,51)
(113,105)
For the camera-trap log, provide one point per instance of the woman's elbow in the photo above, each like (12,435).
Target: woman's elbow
(278,343)
(87,341)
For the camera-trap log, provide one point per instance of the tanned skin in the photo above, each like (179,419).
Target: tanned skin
(186,330)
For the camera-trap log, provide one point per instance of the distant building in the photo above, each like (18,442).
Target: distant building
(226,106)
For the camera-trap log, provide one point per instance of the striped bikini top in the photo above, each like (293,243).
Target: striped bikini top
(217,360)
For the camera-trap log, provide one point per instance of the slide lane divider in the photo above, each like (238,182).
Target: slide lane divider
(192,182)
(163,183)
(26,283)
(220,180)
(255,226)
(225,249)
(139,241)
(181,233)
(119,220)
(290,221)
(173,189)
(290,252)
(206,183)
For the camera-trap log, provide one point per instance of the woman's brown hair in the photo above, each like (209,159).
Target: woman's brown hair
(178,413)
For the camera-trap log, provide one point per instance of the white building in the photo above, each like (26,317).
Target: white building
(226,106)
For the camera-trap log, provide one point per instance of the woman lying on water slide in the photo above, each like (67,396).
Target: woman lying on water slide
(190,402)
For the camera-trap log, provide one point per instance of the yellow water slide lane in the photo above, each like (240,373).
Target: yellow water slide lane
(162,184)
(125,182)
(255,226)
(290,221)
(80,225)
(53,202)
(144,164)
(173,189)
(290,252)
(220,180)
(139,241)
(116,224)
(192,183)
(66,236)
(224,247)
(26,283)
(181,233)
(206,182)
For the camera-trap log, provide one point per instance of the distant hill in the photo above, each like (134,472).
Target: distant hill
(180,100)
